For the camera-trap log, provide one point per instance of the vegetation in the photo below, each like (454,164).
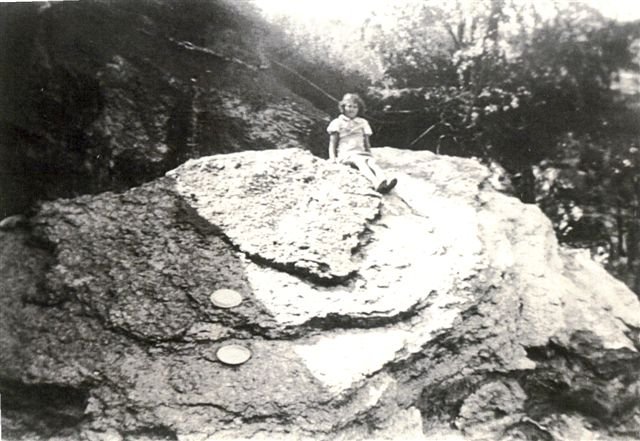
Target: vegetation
(506,82)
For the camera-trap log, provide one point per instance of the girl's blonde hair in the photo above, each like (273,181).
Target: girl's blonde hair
(352,98)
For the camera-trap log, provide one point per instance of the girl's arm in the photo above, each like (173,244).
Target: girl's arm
(333,146)
(367,144)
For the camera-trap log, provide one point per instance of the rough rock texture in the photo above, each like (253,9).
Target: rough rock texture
(443,311)
(105,95)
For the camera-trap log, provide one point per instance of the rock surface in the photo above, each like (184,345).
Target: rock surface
(443,311)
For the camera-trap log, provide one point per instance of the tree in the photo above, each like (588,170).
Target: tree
(497,79)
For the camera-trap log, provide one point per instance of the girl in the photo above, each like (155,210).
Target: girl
(349,142)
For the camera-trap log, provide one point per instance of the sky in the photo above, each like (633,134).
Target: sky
(622,10)
(345,10)
(357,10)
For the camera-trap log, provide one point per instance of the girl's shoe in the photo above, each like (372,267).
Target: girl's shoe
(389,185)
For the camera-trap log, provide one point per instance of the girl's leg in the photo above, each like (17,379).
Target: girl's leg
(375,168)
(388,183)
(362,165)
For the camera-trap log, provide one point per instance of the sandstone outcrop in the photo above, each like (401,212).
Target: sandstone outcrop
(444,310)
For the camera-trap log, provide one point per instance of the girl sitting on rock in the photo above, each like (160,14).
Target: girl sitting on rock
(349,143)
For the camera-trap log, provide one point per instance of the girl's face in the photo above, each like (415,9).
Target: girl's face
(351,109)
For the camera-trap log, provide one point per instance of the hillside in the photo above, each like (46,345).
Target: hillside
(99,96)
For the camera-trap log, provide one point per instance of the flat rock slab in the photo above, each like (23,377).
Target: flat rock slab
(286,209)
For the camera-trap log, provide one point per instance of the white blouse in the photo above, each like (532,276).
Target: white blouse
(351,133)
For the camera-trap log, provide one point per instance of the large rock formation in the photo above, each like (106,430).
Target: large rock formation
(443,311)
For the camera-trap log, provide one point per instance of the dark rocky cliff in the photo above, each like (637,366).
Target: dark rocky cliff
(98,95)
